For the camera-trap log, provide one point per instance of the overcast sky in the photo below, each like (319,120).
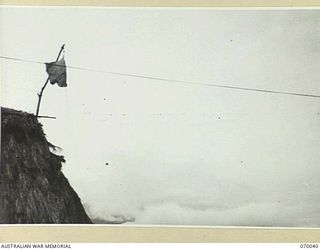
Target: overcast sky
(177,154)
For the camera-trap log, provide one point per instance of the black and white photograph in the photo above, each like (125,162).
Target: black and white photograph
(160,116)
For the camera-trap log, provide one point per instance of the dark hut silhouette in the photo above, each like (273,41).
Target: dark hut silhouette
(32,187)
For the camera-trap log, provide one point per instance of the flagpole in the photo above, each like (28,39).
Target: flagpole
(45,84)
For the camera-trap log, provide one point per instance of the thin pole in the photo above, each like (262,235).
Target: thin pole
(46,83)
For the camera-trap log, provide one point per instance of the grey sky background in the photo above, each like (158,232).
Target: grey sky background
(177,154)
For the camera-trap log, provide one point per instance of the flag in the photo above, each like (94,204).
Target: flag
(57,72)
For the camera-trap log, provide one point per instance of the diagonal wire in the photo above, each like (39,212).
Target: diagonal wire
(174,80)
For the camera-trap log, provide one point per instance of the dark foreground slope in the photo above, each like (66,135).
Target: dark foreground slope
(32,187)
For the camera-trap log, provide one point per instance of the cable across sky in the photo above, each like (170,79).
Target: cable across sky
(167,80)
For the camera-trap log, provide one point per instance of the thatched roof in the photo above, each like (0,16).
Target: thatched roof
(32,187)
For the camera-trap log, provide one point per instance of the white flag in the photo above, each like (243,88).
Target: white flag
(57,72)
